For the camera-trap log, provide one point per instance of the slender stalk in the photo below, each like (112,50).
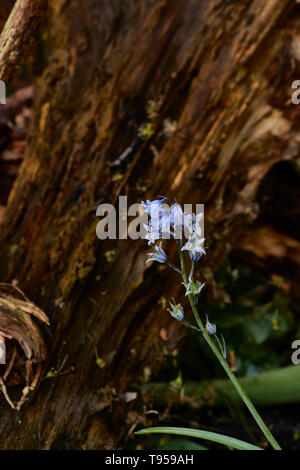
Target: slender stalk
(219,343)
(225,364)
(173,267)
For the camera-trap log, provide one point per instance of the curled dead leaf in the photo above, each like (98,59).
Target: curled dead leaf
(16,322)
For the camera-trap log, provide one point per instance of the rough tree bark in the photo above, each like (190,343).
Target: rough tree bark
(18,35)
(216,77)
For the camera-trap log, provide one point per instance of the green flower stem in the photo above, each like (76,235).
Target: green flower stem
(173,267)
(225,364)
(219,343)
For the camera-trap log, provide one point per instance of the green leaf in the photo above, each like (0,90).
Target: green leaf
(210,436)
(180,444)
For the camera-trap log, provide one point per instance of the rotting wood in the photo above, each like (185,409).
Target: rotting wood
(221,72)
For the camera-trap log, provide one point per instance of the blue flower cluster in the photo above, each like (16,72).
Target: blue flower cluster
(171,222)
(166,222)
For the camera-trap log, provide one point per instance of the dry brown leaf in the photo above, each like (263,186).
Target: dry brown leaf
(16,322)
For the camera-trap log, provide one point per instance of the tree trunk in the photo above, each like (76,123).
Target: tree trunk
(212,81)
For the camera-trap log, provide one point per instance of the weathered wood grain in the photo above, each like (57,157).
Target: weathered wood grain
(222,71)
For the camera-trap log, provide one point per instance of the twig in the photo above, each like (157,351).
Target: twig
(18,35)
(16,288)
(29,388)
(6,396)
(11,363)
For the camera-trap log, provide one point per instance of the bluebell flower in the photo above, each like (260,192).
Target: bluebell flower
(160,220)
(152,234)
(193,233)
(177,219)
(196,255)
(159,255)
(176,311)
(169,220)
(194,244)
(195,248)
(192,225)
(153,206)
(210,327)
(193,287)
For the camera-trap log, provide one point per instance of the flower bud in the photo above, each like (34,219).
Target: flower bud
(176,311)
(210,327)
